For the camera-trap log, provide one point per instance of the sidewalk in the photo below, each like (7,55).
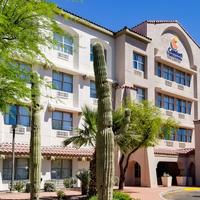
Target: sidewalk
(145,193)
(136,192)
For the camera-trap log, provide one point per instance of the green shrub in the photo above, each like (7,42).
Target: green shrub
(117,196)
(28,187)
(49,187)
(121,196)
(60,194)
(69,182)
(19,186)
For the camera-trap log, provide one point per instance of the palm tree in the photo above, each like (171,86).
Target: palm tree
(87,136)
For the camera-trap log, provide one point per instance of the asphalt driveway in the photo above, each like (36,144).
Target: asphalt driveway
(184,195)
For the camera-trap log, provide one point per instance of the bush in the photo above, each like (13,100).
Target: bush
(60,194)
(19,186)
(28,187)
(121,196)
(117,196)
(69,182)
(49,187)
(84,177)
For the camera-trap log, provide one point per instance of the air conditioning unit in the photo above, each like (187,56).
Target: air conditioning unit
(181,116)
(169,113)
(138,73)
(19,130)
(169,143)
(63,95)
(63,56)
(168,83)
(180,87)
(182,145)
(62,134)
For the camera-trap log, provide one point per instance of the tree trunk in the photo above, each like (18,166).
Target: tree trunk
(123,166)
(122,175)
(35,143)
(92,184)
(105,136)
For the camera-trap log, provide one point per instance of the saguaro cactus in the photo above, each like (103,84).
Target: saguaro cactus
(105,136)
(35,143)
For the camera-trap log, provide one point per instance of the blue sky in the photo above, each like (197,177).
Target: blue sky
(115,14)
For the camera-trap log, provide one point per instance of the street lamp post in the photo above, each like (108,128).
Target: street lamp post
(13,159)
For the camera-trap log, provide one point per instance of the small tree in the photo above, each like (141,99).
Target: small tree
(146,127)
(24,28)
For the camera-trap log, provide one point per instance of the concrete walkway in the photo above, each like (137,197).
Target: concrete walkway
(144,193)
(135,192)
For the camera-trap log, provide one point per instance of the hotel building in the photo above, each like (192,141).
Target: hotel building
(155,60)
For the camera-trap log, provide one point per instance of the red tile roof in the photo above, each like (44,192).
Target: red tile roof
(169,151)
(23,149)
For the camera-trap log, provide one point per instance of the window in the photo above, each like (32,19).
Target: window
(168,73)
(92,56)
(138,61)
(140,94)
(180,105)
(93,93)
(171,74)
(62,81)
(61,169)
(188,80)
(137,170)
(17,115)
(159,100)
(168,103)
(91,53)
(183,78)
(189,107)
(26,69)
(189,135)
(64,44)
(21,169)
(62,121)
(158,70)
(181,135)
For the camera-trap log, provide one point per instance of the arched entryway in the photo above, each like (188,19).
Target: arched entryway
(133,176)
(170,168)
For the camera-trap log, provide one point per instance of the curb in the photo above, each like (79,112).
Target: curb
(162,194)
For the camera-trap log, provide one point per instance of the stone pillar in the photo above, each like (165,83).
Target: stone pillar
(197,152)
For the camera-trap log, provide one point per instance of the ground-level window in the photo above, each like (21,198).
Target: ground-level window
(61,169)
(21,169)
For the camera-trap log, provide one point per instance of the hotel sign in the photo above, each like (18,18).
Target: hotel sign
(172,51)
